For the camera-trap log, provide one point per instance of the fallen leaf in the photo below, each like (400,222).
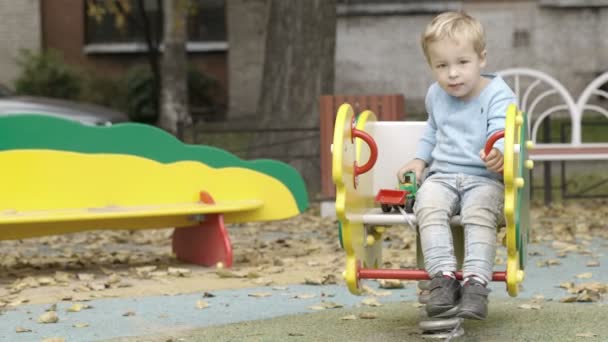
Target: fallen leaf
(391,284)
(331,305)
(317,307)
(553,262)
(201,304)
(113,279)
(538,298)
(48,317)
(587,296)
(591,286)
(530,306)
(570,299)
(85,276)
(326,305)
(304,296)
(321,280)
(18,301)
(97,286)
(371,302)
(44,281)
(260,294)
(368,315)
(263,281)
(179,272)
(75,308)
(228,274)
(313,281)
(586,334)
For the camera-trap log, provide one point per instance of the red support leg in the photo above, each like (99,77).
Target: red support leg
(205,244)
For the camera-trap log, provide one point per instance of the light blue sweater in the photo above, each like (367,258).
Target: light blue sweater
(457,130)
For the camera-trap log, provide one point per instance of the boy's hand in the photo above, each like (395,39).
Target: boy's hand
(416,165)
(494,160)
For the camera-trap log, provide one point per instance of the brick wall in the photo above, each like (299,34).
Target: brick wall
(20,29)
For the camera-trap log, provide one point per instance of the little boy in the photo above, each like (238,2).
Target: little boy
(465,108)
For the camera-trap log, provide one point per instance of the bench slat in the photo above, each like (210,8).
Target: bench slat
(558,153)
(115,212)
(26,224)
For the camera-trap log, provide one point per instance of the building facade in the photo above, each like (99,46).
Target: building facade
(378,50)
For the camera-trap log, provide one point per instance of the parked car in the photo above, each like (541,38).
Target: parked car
(85,113)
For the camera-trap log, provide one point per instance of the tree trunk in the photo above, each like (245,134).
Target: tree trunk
(298,68)
(174,111)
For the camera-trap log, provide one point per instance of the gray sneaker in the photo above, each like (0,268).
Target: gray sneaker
(474,302)
(444,295)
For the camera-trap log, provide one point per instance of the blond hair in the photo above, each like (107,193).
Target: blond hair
(454,25)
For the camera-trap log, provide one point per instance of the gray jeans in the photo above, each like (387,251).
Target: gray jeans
(479,200)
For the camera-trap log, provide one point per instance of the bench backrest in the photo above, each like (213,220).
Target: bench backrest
(40,132)
(54,180)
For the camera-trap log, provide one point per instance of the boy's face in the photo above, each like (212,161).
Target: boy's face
(457,67)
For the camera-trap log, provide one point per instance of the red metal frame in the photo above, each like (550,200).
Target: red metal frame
(372,273)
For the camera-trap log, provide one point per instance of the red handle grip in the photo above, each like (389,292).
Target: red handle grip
(373,148)
(493,138)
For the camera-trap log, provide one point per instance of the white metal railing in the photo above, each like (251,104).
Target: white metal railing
(529,104)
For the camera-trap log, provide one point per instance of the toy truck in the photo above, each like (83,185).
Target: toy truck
(404,196)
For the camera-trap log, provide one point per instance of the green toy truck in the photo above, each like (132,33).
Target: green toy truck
(404,196)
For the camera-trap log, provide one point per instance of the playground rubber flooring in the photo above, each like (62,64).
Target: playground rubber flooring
(286,287)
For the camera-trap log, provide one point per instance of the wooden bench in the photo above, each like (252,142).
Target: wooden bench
(48,191)
(558,152)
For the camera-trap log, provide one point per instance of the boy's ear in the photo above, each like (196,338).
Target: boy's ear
(482,59)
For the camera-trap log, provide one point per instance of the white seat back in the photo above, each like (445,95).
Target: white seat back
(396,142)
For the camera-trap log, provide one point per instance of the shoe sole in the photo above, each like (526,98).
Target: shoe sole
(470,315)
(438,310)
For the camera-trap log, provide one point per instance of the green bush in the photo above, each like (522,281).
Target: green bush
(46,74)
(141,96)
(105,91)
(141,100)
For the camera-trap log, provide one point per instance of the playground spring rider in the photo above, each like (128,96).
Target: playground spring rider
(362,222)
